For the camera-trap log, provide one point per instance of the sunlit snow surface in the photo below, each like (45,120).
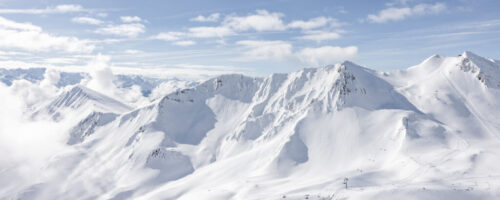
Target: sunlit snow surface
(428,132)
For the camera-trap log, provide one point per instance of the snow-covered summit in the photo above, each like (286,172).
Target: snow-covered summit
(80,95)
(82,99)
(486,70)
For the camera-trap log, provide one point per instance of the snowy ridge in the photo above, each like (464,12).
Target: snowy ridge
(456,90)
(80,99)
(87,126)
(428,132)
(485,70)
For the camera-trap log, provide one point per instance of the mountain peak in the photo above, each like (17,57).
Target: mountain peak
(81,97)
(84,91)
(347,66)
(347,62)
(351,65)
(486,70)
(478,60)
(469,54)
(434,60)
(80,91)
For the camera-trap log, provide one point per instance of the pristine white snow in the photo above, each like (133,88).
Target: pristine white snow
(427,132)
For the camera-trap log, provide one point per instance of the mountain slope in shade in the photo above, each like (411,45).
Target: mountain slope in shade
(336,132)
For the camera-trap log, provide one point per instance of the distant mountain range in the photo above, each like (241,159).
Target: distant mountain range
(146,83)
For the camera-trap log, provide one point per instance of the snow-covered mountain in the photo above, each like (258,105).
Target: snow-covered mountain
(80,99)
(335,132)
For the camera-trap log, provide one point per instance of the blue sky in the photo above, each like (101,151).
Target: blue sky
(253,37)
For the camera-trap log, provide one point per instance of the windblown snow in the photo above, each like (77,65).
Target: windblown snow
(431,131)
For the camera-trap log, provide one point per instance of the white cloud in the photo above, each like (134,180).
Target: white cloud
(185,43)
(264,50)
(262,20)
(314,23)
(319,36)
(128,30)
(50,78)
(16,132)
(65,8)
(326,55)
(132,51)
(211,18)
(281,50)
(259,21)
(25,36)
(68,8)
(169,36)
(131,28)
(65,61)
(129,19)
(8,24)
(176,36)
(87,20)
(398,14)
(425,9)
(101,79)
(38,92)
(208,32)
(390,14)
(12,53)
(101,75)
(196,32)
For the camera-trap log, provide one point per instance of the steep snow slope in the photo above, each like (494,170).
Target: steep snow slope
(462,92)
(83,105)
(80,99)
(336,132)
